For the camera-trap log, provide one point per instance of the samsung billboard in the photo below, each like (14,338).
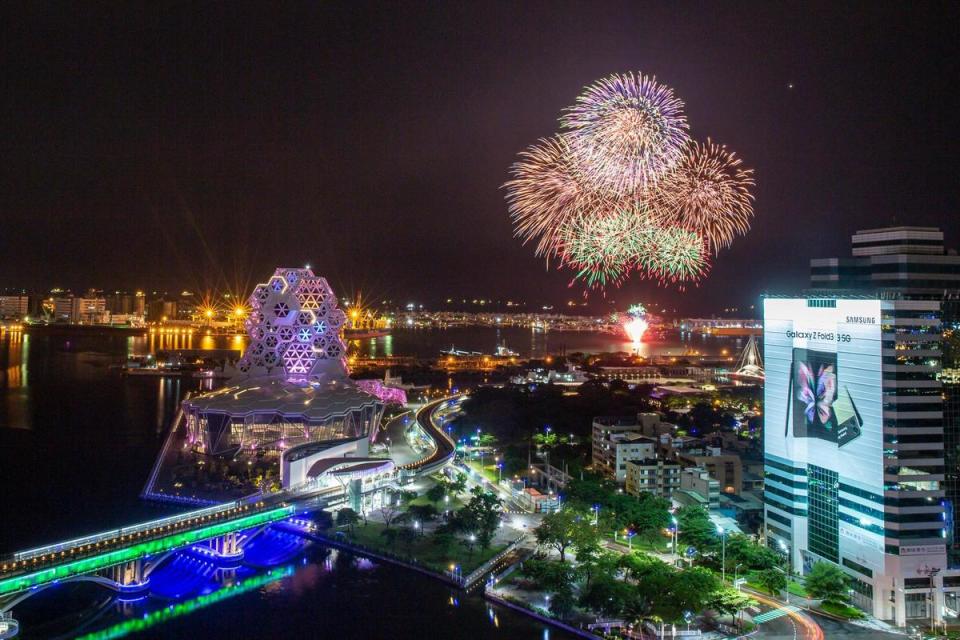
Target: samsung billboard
(823,393)
(823,405)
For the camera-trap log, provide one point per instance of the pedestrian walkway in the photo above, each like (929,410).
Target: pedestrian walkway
(774,614)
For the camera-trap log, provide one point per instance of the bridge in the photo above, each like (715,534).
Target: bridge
(123,559)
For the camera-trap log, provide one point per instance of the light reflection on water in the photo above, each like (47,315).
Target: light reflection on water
(72,427)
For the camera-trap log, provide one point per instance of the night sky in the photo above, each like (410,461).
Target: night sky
(197,146)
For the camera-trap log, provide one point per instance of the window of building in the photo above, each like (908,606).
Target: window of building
(822,497)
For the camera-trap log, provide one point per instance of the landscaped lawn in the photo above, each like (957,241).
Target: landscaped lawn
(793,587)
(489,471)
(657,546)
(422,549)
(453,505)
(842,610)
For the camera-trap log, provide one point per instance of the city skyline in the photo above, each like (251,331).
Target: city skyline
(365,140)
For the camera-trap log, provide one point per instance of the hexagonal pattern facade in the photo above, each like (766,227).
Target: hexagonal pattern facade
(294,328)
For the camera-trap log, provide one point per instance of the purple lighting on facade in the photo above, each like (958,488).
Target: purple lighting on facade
(295,326)
(387,395)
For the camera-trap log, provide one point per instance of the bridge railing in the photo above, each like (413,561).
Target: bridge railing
(103,536)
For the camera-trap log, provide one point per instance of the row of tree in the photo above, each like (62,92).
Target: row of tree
(633,586)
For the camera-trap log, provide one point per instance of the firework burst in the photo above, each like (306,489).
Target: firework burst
(626,131)
(602,249)
(623,190)
(678,256)
(547,192)
(708,192)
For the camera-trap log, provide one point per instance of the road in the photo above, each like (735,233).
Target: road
(803,625)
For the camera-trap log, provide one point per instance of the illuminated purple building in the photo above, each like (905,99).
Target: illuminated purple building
(291,395)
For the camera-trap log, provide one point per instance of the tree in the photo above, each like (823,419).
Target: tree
(742,550)
(390,535)
(586,538)
(347,517)
(389,509)
(545,439)
(436,492)
(563,602)
(406,536)
(648,514)
(696,528)
(827,582)
(730,602)
(443,540)
(486,440)
(558,530)
(607,595)
(406,496)
(480,516)
(691,589)
(549,575)
(594,563)
(422,512)
(459,484)
(653,579)
(773,580)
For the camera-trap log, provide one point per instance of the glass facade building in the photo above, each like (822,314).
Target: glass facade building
(862,439)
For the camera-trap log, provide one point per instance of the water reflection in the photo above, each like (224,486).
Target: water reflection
(427,343)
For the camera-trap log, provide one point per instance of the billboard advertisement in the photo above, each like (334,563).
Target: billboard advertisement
(823,406)
(823,389)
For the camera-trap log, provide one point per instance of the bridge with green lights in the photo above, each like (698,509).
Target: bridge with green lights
(122,559)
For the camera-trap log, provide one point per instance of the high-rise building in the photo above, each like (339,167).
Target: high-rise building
(126,303)
(858,450)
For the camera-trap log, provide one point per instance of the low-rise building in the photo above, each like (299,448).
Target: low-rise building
(617,440)
(538,502)
(659,477)
(698,480)
(724,467)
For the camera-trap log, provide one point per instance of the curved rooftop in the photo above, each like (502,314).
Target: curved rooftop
(313,401)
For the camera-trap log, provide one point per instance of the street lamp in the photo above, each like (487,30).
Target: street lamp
(723,557)
(676,532)
(736,574)
(596,517)
(786,551)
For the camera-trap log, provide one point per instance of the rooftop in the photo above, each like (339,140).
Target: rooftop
(313,402)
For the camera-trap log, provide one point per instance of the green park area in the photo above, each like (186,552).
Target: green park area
(446,529)
(585,570)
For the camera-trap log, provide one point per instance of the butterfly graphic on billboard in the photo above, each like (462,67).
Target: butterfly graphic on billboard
(817,392)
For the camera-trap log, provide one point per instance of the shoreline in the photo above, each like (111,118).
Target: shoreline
(491,595)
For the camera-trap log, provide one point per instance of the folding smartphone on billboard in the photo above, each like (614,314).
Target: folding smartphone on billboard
(821,407)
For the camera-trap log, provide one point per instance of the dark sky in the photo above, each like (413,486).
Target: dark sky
(197,145)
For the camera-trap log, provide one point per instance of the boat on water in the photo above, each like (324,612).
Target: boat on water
(453,351)
(502,351)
